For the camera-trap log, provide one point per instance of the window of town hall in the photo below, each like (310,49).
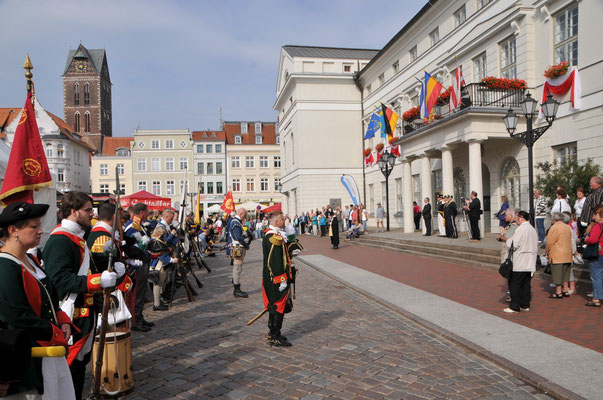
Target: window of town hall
(510,182)
(508,66)
(480,65)
(566,36)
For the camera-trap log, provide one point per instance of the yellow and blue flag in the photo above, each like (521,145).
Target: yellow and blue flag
(374,125)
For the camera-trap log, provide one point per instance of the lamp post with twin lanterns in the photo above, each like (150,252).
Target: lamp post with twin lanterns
(531,135)
(386,164)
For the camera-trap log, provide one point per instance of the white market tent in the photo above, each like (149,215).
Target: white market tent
(4,154)
(213,209)
(250,206)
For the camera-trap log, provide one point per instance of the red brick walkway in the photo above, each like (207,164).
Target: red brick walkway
(481,289)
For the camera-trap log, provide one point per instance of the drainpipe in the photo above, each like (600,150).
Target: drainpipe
(359,86)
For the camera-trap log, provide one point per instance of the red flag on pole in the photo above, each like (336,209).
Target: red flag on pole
(27,168)
(228,204)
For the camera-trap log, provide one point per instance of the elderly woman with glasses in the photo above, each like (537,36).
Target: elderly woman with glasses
(29,302)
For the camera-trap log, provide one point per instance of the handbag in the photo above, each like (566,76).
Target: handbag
(506,268)
(591,251)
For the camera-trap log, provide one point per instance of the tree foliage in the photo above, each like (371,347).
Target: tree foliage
(569,174)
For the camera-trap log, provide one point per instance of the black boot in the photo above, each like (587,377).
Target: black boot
(277,339)
(239,293)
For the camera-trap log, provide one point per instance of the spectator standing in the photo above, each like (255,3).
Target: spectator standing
(379,215)
(502,221)
(302,223)
(559,251)
(593,201)
(346,216)
(525,251)
(427,216)
(365,218)
(315,224)
(561,204)
(509,231)
(323,224)
(416,210)
(596,266)
(338,214)
(258,228)
(540,209)
(474,212)
(441,227)
(334,231)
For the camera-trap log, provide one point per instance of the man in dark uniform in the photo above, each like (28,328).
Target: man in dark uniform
(276,278)
(76,279)
(450,212)
(334,231)
(474,211)
(134,229)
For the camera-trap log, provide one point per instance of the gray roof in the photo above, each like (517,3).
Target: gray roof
(330,52)
(96,56)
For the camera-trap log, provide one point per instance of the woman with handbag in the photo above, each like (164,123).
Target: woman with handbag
(594,242)
(525,250)
(28,301)
(502,222)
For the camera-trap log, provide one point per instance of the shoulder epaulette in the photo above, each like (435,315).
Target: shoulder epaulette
(276,240)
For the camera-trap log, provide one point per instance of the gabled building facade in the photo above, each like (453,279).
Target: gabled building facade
(209,163)
(162,162)
(254,161)
(320,129)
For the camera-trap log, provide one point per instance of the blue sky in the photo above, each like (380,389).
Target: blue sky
(173,64)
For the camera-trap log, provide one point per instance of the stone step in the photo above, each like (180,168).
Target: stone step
(457,246)
(581,273)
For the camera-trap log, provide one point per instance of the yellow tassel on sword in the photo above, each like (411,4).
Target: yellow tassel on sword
(50,351)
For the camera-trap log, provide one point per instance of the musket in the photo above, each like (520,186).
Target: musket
(252,320)
(106,297)
(190,292)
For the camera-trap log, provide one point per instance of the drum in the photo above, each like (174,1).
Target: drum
(117,379)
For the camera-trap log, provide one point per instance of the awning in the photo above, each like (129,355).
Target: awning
(274,207)
(152,201)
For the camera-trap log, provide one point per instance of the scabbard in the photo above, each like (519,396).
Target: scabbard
(251,321)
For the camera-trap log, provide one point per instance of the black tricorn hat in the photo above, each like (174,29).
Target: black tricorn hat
(20,211)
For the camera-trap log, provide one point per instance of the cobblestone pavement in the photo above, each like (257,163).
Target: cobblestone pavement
(344,346)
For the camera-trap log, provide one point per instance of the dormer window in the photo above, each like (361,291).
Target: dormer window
(258,128)
(238,139)
(244,128)
(122,151)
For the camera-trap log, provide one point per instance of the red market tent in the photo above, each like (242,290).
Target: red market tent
(154,202)
(274,207)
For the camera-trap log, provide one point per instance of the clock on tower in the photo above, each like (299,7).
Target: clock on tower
(81,65)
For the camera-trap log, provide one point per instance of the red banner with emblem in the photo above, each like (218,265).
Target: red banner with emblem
(27,168)
(228,204)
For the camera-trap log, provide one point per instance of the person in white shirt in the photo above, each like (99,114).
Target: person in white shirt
(561,204)
(525,251)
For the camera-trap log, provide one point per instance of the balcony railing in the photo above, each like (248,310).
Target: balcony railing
(473,95)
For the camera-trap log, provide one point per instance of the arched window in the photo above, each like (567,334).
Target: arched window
(460,190)
(76,93)
(86,93)
(76,121)
(87,122)
(510,181)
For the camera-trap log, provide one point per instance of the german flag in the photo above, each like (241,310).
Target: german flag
(391,119)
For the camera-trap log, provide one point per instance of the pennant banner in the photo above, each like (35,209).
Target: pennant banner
(27,168)
(350,184)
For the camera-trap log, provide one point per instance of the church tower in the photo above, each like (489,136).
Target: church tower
(87,95)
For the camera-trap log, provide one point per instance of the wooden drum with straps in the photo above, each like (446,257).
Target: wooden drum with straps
(117,378)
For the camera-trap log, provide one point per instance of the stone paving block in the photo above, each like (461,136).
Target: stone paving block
(204,349)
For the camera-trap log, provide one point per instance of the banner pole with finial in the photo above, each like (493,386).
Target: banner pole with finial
(28,66)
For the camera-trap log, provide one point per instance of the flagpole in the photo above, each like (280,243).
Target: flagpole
(28,66)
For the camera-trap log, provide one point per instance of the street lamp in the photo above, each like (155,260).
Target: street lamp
(531,135)
(386,164)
